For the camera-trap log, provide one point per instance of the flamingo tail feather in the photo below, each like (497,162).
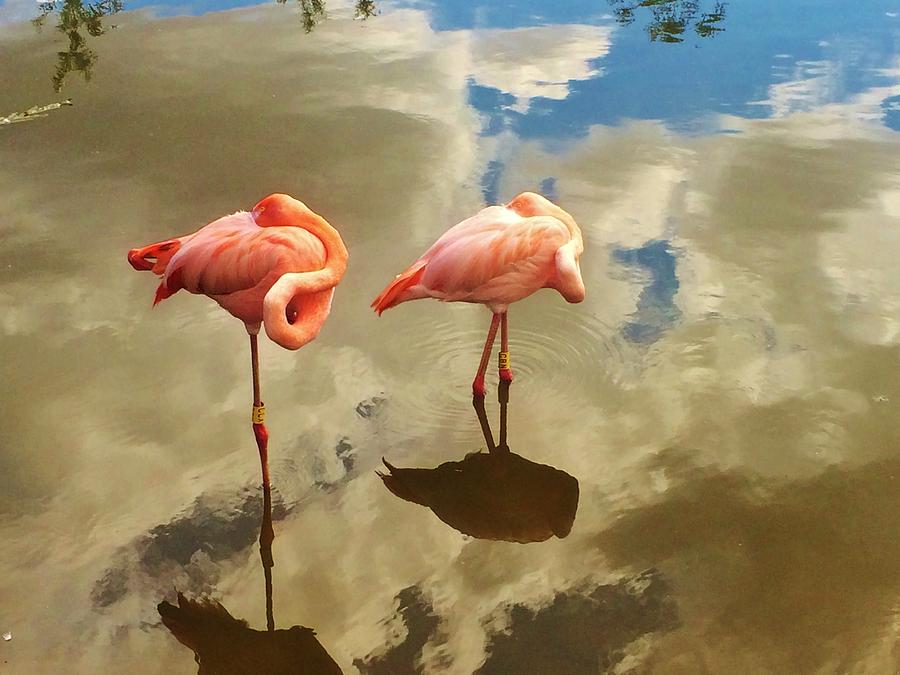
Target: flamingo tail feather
(168,287)
(391,295)
(162,292)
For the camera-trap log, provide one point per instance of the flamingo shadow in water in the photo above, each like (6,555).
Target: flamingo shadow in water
(496,495)
(224,645)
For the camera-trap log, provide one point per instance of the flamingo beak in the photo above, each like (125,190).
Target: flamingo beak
(138,261)
(154,257)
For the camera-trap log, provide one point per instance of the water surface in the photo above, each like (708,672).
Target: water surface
(725,398)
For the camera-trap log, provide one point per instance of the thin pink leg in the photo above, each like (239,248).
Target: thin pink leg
(506,373)
(478,383)
(266,534)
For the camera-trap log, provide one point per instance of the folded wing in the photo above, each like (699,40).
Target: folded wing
(232,254)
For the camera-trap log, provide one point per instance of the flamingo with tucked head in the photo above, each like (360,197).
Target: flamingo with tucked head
(274,267)
(500,255)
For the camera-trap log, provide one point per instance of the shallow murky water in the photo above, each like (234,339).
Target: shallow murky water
(722,409)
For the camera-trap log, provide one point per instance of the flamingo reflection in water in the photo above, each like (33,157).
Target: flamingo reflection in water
(497,495)
(224,645)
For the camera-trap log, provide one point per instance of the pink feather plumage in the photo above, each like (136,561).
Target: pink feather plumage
(500,255)
(276,266)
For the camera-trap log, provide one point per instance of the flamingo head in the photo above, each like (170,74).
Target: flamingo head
(279,210)
(531,204)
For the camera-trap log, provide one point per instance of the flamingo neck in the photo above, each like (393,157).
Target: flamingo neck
(312,308)
(335,253)
(306,296)
(574,231)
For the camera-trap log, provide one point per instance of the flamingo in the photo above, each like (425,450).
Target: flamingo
(276,266)
(500,255)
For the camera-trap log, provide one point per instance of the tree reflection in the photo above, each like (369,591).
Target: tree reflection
(496,495)
(313,11)
(75,17)
(670,19)
(365,9)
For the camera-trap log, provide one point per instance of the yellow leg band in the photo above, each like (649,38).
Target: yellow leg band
(504,360)
(259,414)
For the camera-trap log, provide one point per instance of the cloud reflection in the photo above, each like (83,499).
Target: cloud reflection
(539,62)
(804,572)
(780,370)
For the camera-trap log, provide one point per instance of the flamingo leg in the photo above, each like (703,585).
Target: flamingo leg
(266,534)
(506,374)
(478,383)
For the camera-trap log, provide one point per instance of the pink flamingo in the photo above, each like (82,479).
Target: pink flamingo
(498,256)
(276,266)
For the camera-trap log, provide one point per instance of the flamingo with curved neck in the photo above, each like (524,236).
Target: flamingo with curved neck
(497,257)
(276,266)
